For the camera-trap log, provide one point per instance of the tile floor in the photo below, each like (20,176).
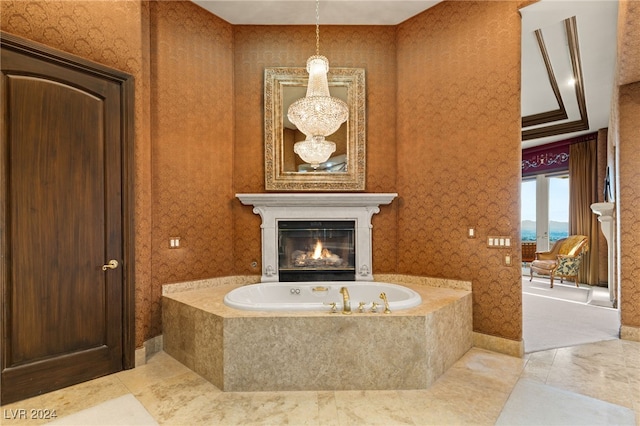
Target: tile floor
(591,384)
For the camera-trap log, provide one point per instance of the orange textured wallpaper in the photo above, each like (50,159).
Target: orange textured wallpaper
(442,131)
(628,203)
(628,66)
(192,132)
(459,153)
(368,47)
(113,33)
(625,135)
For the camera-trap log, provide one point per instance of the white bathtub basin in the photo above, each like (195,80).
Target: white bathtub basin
(315,296)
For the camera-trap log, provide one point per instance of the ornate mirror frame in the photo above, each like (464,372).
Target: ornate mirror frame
(276,178)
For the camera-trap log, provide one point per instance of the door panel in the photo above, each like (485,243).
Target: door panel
(57,207)
(63,220)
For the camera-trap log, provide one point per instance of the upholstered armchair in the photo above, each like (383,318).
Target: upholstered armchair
(563,260)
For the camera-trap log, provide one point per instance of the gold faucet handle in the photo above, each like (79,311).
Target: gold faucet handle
(374,307)
(334,307)
(361,306)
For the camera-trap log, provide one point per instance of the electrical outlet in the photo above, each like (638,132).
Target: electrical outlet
(174,242)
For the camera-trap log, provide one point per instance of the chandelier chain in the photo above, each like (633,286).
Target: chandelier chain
(317,27)
(318,114)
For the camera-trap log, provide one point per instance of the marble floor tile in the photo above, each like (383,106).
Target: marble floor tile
(597,370)
(183,399)
(487,370)
(612,391)
(534,404)
(538,365)
(281,408)
(122,411)
(159,367)
(588,384)
(603,357)
(453,402)
(327,408)
(371,408)
(66,401)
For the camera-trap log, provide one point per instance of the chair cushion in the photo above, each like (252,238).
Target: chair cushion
(543,265)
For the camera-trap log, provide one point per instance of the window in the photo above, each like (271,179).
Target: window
(545,209)
(558,207)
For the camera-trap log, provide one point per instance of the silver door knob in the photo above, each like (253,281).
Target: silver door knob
(113,264)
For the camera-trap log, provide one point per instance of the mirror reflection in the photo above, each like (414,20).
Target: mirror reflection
(337,163)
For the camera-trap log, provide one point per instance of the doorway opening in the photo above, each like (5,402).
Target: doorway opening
(564,315)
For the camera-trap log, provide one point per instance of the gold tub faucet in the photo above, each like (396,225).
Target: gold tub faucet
(346,303)
(383,296)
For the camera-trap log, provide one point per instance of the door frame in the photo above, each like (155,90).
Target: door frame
(126,84)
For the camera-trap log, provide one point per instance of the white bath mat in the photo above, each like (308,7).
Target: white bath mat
(123,411)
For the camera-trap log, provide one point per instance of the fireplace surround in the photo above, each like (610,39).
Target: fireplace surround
(284,208)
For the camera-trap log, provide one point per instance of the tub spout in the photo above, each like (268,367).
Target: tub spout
(346,303)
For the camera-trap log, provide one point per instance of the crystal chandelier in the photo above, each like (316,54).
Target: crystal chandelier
(317,115)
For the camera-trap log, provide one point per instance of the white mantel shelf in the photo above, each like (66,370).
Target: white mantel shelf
(316,200)
(274,207)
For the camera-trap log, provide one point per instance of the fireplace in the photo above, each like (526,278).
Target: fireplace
(320,250)
(343,220)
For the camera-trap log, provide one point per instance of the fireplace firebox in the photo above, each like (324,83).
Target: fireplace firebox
(318,250)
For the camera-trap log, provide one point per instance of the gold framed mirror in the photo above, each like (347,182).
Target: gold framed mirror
(284,170)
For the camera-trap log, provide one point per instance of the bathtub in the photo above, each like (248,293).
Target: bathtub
(316,296)
(257,351)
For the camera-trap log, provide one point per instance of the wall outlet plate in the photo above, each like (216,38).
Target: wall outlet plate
(499,241)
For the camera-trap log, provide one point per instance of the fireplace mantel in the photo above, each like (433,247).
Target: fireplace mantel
(273,207)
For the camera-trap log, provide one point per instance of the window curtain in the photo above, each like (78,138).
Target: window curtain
(583,191)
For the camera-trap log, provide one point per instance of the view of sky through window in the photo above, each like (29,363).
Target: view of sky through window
(558,208)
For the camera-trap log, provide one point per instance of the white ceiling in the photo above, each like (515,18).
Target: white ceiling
(596,24)
(303,12)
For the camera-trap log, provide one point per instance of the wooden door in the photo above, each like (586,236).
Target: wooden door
(62,218)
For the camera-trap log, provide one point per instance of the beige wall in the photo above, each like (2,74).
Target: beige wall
(442,131)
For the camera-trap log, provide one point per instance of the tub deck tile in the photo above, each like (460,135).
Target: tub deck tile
(278,351)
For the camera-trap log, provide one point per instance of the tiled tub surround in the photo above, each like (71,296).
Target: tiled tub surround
(278,351)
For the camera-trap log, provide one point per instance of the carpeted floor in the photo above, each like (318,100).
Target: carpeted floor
(560,317)
(567,291)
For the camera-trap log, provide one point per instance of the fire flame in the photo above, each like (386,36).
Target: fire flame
(317,251)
